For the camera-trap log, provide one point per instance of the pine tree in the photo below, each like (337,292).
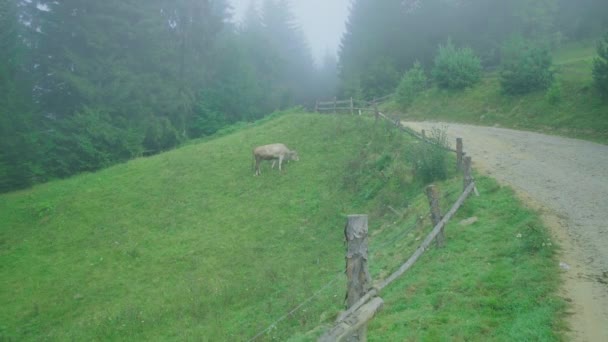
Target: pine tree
(15,123)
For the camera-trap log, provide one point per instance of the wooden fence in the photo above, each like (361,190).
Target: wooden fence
(363,301)
(351,106)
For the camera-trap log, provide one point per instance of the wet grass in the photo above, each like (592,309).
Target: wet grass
(188,245)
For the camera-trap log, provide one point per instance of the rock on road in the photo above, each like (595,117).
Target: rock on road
(567,179)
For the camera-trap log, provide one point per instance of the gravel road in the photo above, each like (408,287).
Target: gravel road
(567,181)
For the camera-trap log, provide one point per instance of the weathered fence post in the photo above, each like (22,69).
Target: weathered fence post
(352,106)
(359,280)
(335,105)
(376,111)
(459,153)
(423,135)
(433,196)
(467,176)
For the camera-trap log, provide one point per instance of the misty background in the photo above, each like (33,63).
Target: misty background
(87,84)
(323,22)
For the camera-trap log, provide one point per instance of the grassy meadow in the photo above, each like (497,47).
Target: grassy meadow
(579,113)
(189,245)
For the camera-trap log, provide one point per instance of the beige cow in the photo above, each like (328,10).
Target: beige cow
(273,152)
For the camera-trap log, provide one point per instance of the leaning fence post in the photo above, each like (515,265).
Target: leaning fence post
(433,196)
(376,111)
(358,278)
(467,176)
(459,153)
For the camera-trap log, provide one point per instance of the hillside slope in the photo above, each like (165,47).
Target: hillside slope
(579,113)
(189,245)
(184,245)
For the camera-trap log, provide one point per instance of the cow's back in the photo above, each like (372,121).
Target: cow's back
(271,150)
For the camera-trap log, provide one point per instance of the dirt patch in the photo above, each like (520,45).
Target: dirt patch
(566,180)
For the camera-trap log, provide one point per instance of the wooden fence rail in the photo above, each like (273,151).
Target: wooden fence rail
(353,309)
(351,324)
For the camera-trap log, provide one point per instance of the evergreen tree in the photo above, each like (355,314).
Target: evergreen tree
(16,147)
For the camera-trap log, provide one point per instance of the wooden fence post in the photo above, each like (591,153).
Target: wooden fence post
(317,106)
(359,280)
(352,106)
(433,196)
(335,105)
(423,135)
(467,176)
(459,153)
(376,111)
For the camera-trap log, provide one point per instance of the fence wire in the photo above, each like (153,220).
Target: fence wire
(338,275)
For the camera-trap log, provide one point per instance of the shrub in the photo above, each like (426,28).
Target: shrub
(554,93)
(456,68)
(600,67)
(526,67)
(430,160)
(412,83)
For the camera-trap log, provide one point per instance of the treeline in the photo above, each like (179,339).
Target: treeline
(85,84)
(386,38)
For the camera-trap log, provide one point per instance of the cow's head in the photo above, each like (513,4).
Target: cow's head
(293,155)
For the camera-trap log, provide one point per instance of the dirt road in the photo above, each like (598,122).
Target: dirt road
(567,180)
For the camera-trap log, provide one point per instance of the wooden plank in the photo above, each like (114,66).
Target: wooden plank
(353,323)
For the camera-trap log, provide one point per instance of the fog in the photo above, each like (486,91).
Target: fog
(323,21)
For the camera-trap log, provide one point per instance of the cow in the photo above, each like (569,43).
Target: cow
(272,152)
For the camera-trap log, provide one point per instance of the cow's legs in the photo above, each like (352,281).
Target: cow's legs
(257,167)
(280,162)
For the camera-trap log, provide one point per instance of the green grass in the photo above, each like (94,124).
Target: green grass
(494,281)
(580,113)
(188,245)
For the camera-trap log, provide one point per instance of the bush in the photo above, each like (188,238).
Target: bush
(600,67)
(526,67)
(554,93)
(456,68)
(430,160)
(412,83)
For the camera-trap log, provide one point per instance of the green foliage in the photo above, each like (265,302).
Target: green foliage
(87,141)
(380,168)
(456,68)
(413,83)
(379,78)
(526,67)
(430,159)
(554,93)
(600,67)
